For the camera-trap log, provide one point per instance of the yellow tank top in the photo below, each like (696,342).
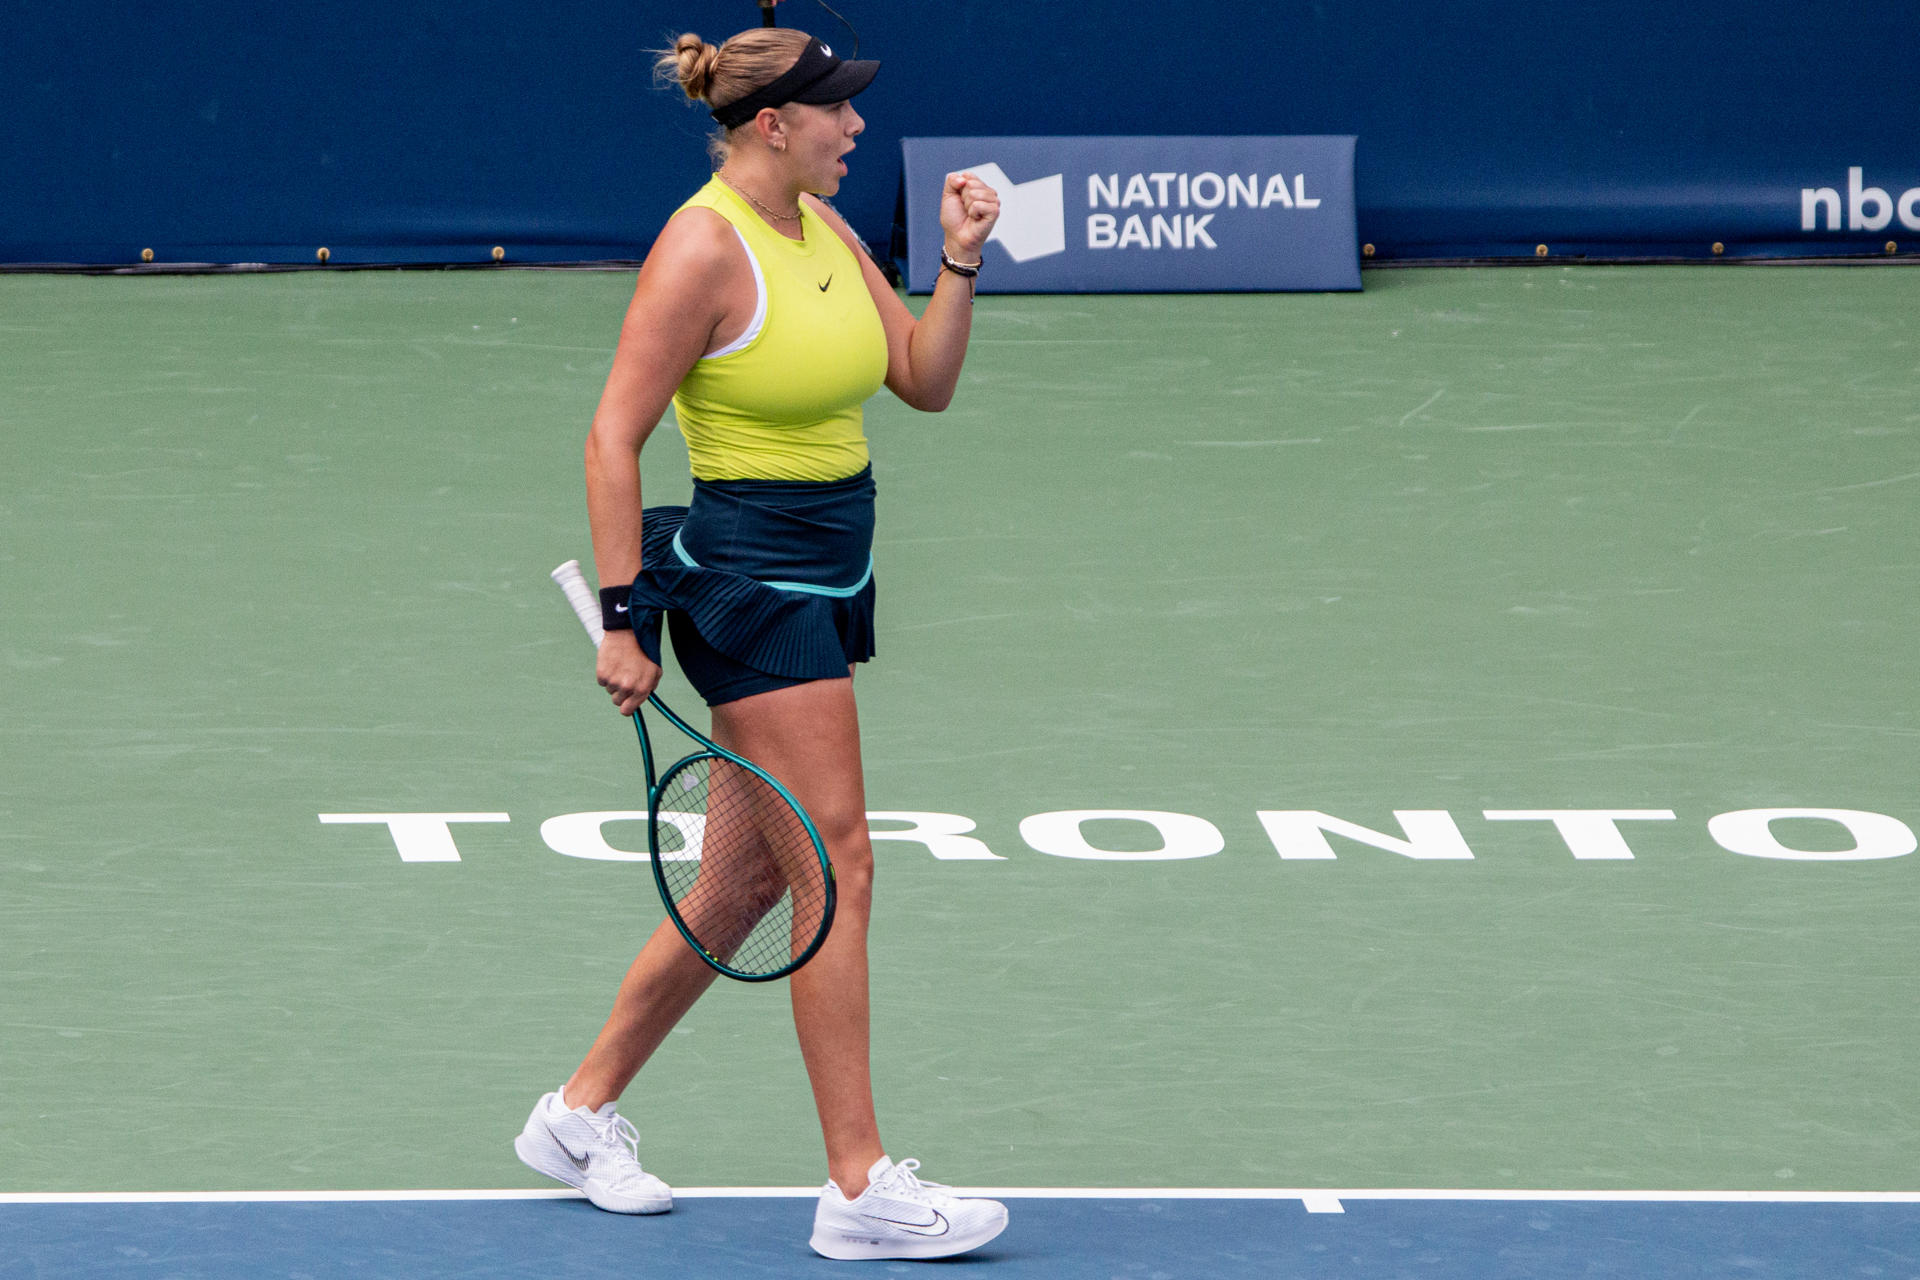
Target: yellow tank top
(783,402)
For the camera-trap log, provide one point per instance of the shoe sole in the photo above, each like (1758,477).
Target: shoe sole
(844,1246)
(541,1152)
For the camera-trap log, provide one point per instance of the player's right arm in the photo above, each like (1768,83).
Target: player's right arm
(682,298)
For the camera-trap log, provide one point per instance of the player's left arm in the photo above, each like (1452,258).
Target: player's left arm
(924,354)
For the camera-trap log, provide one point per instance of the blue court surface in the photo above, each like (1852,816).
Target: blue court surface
(1059,1237)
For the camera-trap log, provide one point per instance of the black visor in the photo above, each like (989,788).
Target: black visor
(817,77)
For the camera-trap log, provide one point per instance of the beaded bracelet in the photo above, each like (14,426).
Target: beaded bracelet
(967,269)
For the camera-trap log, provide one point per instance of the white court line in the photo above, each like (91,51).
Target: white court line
(1316,1200)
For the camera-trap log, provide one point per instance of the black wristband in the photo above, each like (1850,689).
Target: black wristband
(614,615)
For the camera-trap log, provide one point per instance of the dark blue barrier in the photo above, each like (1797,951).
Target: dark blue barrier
(1119,215)
(418,131)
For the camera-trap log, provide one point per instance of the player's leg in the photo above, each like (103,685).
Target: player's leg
(661,984)
(808,736)
(576,1134)
(667,978)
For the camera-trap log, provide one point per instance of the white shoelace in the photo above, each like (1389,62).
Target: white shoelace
(618,1129)
(901,1180)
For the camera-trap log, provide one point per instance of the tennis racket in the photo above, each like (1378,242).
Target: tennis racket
(744,875)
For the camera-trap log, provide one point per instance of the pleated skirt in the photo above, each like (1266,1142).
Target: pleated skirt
(763,583)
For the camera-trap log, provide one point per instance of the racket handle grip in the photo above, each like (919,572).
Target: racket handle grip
(585,604)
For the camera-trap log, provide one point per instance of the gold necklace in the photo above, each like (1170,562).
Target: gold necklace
(781,217)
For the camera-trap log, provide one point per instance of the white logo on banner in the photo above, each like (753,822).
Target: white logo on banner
(1033,215)
(1173,189)
(1868,208)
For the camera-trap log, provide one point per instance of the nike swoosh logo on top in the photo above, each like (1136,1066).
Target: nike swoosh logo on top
(823,288)
(919,1229)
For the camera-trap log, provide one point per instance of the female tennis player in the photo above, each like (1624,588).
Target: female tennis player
(760,317)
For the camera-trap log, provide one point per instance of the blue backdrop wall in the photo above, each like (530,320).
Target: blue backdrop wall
(416,131)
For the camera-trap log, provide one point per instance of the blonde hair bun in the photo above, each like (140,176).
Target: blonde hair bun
(692,64)
(752,60)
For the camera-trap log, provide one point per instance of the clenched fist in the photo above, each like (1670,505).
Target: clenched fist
(968,210)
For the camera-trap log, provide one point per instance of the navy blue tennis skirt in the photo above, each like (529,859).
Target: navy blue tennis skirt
(763,583)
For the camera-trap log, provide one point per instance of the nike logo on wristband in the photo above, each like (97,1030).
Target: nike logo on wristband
(619,608)
(823,288)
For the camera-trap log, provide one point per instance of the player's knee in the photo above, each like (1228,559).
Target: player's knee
(852,854)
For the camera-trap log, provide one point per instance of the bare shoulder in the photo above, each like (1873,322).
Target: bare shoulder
(696,245)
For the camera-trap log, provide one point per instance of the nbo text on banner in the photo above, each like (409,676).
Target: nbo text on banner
(1146,215)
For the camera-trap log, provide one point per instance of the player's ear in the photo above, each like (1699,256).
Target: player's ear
(771,128)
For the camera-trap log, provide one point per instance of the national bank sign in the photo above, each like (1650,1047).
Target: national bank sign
(1147,215)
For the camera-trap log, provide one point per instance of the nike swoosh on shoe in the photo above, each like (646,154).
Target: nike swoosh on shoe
(917,1228)
(579,1162)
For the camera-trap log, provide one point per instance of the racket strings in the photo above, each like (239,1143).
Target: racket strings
(740,866)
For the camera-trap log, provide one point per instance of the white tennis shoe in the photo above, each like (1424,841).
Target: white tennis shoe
(899,1216)
(596,1151)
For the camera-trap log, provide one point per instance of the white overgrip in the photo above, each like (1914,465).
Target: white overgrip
(585,604)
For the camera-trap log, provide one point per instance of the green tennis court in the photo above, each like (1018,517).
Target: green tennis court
(1539,541)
